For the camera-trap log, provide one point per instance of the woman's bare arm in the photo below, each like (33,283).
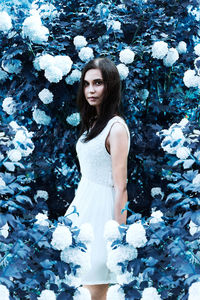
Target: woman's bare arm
(118,145)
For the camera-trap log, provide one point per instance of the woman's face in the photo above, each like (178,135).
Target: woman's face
(94,88)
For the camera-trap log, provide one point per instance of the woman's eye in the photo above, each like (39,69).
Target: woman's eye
(99,82)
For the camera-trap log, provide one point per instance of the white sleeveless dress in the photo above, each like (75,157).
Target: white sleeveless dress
(94,199)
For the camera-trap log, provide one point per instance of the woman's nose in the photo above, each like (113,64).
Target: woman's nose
(91,88)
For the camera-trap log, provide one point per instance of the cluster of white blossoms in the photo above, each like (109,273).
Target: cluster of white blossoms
(12,66)
(5,22)
(150,293)
(194,291)
(160,50)
(41,194)
(62,237)
(193,228)
(73,119)
(136,235)
(82,294)
(86,54)
(183,152)
(115,292)
(197,49)
(115,25)
(4,292)
(190,79)
(111,231)
(40,117)
(42,219)
(55,67)
(47,295)
(4,230)
(73,77)
(123,71)
(9,105)
(156,217)
(79,42)
(173,137)
(182,47)
(46,96)
(33,29)
(126,56)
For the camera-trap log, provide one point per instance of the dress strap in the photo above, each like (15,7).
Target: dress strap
(114,120)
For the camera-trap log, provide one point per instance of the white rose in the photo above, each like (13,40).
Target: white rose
(197,49)
(171,57)
(79,41)
(159,50)
(196,180)
(136,235)
(53,74)
(111,231)
(47,295)
(86,54)
(62,237)
(5,22)
(14,155)
(194,291)
(150,293)
(123,71)
(40,117)
(126,56)
(46,96)
(183,152)
(9,105)
(182,47)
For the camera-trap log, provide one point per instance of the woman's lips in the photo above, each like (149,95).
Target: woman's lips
(92,98)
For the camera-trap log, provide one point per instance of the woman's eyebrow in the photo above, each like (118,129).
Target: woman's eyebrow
(96,79)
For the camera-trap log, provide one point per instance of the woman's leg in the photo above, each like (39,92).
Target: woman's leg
(97,291)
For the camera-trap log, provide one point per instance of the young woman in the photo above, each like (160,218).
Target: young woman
(102,150)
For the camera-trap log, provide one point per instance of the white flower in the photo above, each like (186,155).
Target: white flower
(86,234)
(182,47)
(125,278)
(157,191)
(111,231)
(120,254)
(156,217)
(150,293)
(82,294)
(46,96)
(194,291)
(190,79)
(159,50)
(194,228)
(197,65)
(53,74)
(42,219)
(22,141)
(73,119)
(196,180)
(197,49)
(47,11)
(62,237)
(64,63)
(73,77)
(47,295)
(45,61)
(3,75)
(80,41)
(171,57)
(33,29)
(136,235)
(183,152)
(183,122)
(115,292)
(40,117)
(143,94)
(36,63)
(177,133)
(9,105)
(12,66)
(123,71)
(14,155)
(4,231)
(4,292)
(69,279)
(86,54)
(116,26)
(5,22)
(41,194)
(126,56)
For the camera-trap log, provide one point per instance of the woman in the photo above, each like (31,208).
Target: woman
(102,150)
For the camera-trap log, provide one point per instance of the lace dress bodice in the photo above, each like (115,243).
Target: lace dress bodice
(95,161)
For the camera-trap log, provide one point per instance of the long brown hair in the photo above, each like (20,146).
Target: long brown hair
(110,105)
